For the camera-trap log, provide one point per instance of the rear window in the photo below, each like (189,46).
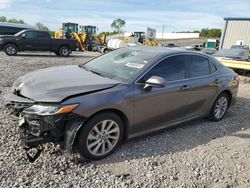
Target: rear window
(212,68)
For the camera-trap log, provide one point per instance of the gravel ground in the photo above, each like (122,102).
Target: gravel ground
(196,154)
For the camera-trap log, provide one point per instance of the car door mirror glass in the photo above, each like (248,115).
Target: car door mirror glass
(155,81)
(23,36)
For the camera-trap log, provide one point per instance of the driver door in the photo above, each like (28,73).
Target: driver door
(158,107)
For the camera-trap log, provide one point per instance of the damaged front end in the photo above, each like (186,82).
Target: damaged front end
(43,123)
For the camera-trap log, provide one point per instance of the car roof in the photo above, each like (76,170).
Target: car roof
(161,52)
(158,50)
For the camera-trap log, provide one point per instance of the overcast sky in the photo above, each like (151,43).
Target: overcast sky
(176,15)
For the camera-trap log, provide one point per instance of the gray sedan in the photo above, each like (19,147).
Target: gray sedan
(92,108)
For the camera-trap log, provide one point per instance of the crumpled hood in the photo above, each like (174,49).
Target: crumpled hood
(57,83)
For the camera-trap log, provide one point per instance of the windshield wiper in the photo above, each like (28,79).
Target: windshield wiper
(98,73)
(84,67)
(95,72)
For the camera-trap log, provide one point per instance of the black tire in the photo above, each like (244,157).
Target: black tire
(88,129)
(105,51)
(10,49)
(215,117)
(94,46)
(57,53)
(89,48)
(64,51)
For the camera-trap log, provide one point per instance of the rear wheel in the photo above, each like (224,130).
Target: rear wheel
(64,51)
(10,49)
(219,108)
(100,136)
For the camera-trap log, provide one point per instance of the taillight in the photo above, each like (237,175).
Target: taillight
(237,77)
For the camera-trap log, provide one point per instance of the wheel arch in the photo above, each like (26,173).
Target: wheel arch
(64,45)
(228,93)
(12,44)
(121,114)
(75,130)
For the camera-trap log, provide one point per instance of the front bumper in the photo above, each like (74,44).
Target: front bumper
(1,45)
(36,130)
(59,129)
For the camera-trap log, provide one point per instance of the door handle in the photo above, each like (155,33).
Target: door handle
(217,81)
(185,87)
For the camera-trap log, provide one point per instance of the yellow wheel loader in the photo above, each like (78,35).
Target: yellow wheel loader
(85,36)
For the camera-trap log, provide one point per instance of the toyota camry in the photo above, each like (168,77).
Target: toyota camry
(92,108)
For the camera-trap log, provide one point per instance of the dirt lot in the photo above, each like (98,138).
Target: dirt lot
(196,154)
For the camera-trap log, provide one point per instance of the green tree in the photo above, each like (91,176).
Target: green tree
(214,33)
(107,33)
(3,19)
(118,24)
(14,20)
(210,32)
(41,27)
(52,33)
(21,21)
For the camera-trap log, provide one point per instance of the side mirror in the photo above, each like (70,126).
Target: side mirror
(23,36)
(155,81)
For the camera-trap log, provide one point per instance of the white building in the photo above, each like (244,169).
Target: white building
(173,35)
(236,32)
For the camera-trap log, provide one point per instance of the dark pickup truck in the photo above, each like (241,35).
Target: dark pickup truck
(33,40)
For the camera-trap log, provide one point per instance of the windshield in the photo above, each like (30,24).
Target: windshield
(230,52)
(121,64)
(19,33)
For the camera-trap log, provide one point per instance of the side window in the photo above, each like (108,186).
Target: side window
(172,69)
(212,68)
(199,66)
(29,35)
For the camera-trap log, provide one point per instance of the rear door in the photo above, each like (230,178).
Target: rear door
(43,41)
(204,84)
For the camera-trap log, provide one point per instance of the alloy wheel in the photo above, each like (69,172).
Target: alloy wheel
(220,107)
(65,52)
(10,50)
(103,137)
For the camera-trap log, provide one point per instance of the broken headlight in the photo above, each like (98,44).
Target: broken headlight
(44,110)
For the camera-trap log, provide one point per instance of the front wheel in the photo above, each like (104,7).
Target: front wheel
(100,136)
(64,51)
(219,108)
(10,49)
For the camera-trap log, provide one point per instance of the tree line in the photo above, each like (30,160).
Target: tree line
(206,32)
(117,25)
(38,25)
(12,20)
